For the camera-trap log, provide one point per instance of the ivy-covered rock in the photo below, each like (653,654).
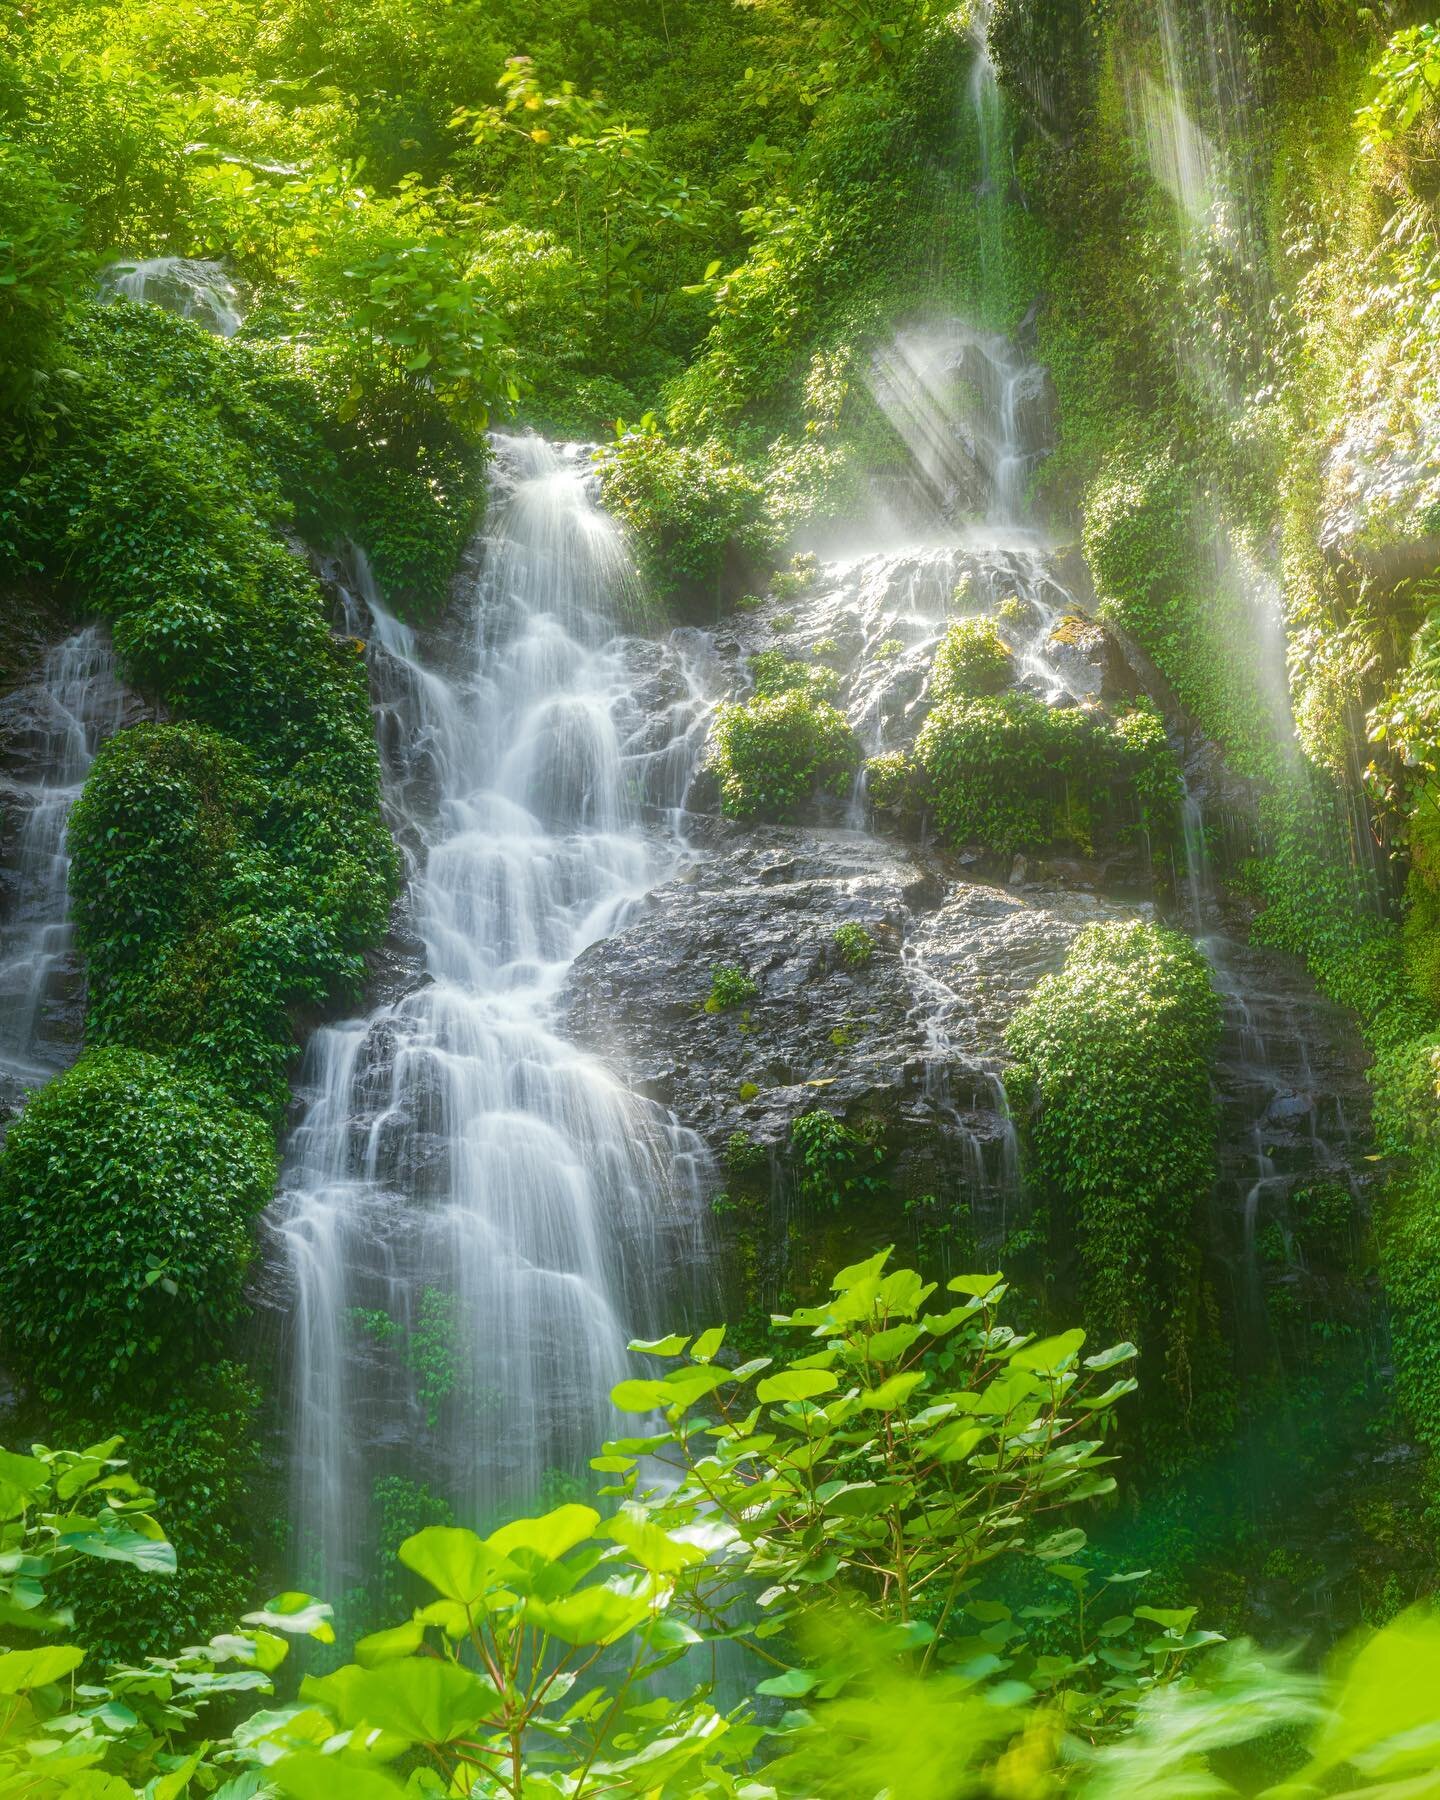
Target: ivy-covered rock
(1112,1073)
(127,1196)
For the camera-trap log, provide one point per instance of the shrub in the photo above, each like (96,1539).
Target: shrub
(197,1448)
(890,780)
(855,944)
(695,516)
(41,268)
(777,755)
(774,673)
(1115,1053)
(972,660)
(730,986)
(835,1162)
(127,1194)
(1010,773)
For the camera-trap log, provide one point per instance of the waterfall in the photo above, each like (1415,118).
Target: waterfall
(51,729)
(475,1215)
(181,284)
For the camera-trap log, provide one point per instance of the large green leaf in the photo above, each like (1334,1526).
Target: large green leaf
(301,1615)
(594,1615)
(547,1537)
(21,1478)
(796,1384)
(455,1562)
(423,1699)
(21,1670)
(310,1776)
(385,1646)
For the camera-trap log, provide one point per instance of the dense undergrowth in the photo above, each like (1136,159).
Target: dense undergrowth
(700,219)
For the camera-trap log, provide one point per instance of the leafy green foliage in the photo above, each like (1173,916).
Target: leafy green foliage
(41,263)
(1011,773)
(127,1193)
(775,673)
(854,943)
(730,986)
(836,1163)
(196,1445)
(1113,1066)
(694,514)
(779,754)
(972,660)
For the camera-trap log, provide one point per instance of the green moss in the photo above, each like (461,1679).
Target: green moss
(777,755)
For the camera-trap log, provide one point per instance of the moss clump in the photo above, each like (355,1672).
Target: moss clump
(1010,773)
(1112,1069)
(973,660)
(779,754)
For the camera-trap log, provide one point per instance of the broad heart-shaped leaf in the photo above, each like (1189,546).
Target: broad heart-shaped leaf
(1107,1359)
(975,1287)
(301,1615)
(423,1699)
(455,1562)
(547,1537)
(385,1646)
(593,1615)
(893,1393)
(21,1670)
(154,1555)
(651,1547)
(310,1776)
(708,1343)
(858,1500)
(790,1686)
(1049,1354)
(1061,1543)
(796,1384)
(666,1346)
(1175,1619)
(21,1477)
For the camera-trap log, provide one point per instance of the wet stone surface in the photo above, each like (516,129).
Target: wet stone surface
(911,1034)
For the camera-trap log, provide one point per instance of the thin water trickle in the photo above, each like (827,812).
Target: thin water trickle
(51,728)
(475,1214)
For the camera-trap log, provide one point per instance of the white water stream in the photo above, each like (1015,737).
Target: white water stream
(476,1216)
(50,729)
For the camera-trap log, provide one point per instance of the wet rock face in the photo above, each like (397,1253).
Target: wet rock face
(910,1037)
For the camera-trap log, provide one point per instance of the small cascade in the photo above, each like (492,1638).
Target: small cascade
(475,1214)
(1285,1120)
(197,290)
(50,730)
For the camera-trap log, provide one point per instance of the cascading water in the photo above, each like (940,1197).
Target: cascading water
(195,289)
(51,730)
(476,1215)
